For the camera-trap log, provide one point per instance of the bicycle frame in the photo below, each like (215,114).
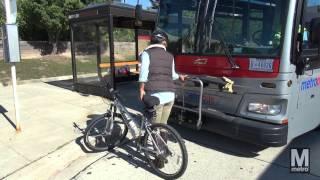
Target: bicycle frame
(145,124)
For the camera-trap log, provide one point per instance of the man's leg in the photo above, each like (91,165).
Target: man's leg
(166,112)
(164,134)
(159,111)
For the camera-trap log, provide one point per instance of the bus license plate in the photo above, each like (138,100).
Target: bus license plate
(265,65)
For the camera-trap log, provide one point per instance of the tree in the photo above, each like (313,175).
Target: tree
(2,14)
(46,19)
(50,16)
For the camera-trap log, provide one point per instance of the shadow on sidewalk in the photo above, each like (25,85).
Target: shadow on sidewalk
(126,150)
(65,84)
(128,91)
(80,140)
(219,143)
(308,140)
(129,96)
(3,111)
(132,156)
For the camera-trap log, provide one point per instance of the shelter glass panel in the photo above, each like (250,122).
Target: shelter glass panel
(104,50)
(85,46)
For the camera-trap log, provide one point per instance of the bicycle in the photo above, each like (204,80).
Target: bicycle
(161,144)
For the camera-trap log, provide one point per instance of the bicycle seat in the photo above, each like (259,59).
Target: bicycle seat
(150,101)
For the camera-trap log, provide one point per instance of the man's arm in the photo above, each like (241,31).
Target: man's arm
(144,71)
(176,76)
(141,90)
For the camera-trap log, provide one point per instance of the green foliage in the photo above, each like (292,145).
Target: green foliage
(48,19)
(124,35)
(2,15)
(45,19)
(48,15)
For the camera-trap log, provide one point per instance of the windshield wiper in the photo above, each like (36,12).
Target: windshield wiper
(226,50)
(212,20)
(222,42)
(201,14)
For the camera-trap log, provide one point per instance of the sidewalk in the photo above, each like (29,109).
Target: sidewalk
(48,118)
(50,144)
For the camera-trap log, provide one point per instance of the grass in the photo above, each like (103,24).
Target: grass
(50,66)
(53,66)
(42,68)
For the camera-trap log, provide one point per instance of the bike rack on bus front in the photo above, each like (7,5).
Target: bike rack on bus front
(225,83)
(199,111)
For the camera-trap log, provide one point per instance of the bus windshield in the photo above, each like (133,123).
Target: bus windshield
(209,27)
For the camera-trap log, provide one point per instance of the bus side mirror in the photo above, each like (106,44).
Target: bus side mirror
(315,32)
(312,50)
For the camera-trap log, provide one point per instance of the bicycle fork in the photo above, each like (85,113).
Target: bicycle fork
(109,123)
(155,142)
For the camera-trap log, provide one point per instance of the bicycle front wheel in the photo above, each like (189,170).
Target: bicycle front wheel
(98,138)
(165,151)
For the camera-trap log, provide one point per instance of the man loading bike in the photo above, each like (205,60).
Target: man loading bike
(163,147)
(157,75)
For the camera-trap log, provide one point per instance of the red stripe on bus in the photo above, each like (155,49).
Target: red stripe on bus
(219,66)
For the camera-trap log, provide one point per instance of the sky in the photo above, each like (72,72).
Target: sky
(145,3)
(313,2)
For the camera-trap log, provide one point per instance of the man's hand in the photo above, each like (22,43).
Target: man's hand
(142,93)
(182,77)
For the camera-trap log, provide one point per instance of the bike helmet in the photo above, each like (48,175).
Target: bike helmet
(158,37)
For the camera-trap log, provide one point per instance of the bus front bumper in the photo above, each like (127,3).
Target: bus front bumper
(252,131)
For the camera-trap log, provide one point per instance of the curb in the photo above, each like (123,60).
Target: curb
(21,82)
(57,78)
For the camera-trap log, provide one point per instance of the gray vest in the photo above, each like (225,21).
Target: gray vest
(160,71)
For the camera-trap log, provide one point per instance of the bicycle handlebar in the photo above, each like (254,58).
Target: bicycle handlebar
(111,91)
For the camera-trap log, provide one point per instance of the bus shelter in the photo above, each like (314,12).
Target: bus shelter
(105,43)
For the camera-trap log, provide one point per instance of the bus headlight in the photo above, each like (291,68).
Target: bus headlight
(267,109)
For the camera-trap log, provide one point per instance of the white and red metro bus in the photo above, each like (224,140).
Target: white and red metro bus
(268,49)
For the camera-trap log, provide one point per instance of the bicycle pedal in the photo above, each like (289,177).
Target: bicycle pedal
(166,161)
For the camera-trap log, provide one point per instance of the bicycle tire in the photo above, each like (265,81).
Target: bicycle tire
(116,141)
(182,147)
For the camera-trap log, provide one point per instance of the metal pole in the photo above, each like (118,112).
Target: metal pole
(73,59)
(136,35)
(11,16)
(15,97)
(98,43)
(111,46)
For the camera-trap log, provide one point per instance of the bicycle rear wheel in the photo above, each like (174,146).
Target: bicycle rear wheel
(172,162)
(96,137)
